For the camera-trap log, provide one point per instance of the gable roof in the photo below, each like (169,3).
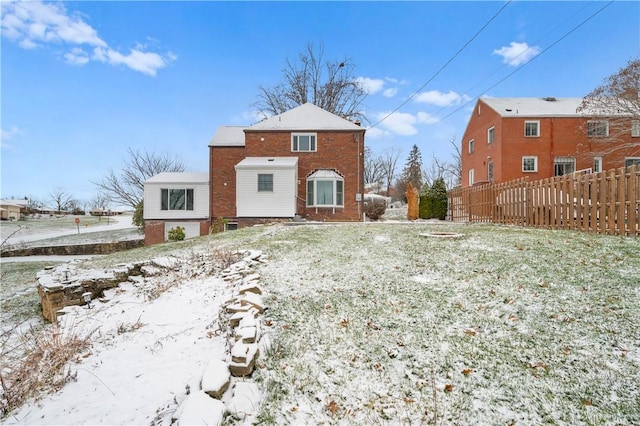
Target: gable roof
(535,107)
(228,136)
(179,177)
(305,117)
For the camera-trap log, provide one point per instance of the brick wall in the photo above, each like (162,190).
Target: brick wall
(559,137)
(341,151)
(153,232)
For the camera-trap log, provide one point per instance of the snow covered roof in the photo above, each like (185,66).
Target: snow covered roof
(534,107)
(228,136)
(179,177)
(305,117)
(268,163)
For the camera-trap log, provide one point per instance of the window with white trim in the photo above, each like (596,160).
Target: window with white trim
(598,129)
(491,134)
(564,166)
(490,171)
(303,142)
(532,129)
(176,199)
(325,188)
(635,128)
(265,182)
(471,146)
(472,175)
(529,163)
(597,164)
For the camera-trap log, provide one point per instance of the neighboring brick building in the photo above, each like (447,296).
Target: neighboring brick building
(510,138)
(306,162)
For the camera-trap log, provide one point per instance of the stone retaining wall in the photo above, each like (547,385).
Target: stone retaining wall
(75,250)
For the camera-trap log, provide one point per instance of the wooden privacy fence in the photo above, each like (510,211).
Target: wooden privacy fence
(606,202)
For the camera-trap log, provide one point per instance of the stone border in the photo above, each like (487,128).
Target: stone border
(226,386)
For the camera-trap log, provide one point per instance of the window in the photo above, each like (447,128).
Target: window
(632,161)
(529,164)
(325,188)
(471,146)
(635,128)
(490,171)
(303,142)
(597,164)
(471,177)
(176,199)
(491,134)
(532,128)
(265,183)
(564,166)
(597,129)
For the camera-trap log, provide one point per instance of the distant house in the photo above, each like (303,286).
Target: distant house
(176,199)
(305,163)
(510,138)
(9,210)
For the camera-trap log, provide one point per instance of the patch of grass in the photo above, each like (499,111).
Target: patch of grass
(505,324)
(19,300)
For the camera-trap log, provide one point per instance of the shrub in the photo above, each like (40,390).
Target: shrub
(375,209)
(176,234)
(439,199)
(138,216)
(433,200)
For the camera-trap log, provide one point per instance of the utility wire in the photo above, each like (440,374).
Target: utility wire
(414,94)
(532,59)
(503,66)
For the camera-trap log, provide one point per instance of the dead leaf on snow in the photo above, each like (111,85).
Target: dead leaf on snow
(448,387)
(467,371)
(333,407)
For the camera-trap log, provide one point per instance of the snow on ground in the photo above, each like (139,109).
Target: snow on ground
(144,357)
(29,234)
(376,324)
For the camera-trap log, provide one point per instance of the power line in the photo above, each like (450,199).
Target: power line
(515,57)
(532,59)
(444,66)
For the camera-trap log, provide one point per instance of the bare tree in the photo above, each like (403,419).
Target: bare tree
(99,202)
(389,160)
(617,98)
(127,187)
(60,199)
(450,171)
(373,168)
(329,85)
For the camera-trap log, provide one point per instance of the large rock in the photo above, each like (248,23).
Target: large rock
(215,379)
(243,358)
(200,409)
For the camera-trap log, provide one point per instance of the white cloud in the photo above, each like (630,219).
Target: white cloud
(426,118)
(370,85)
(34,24)
(390,92)
(437,98)
(517,53)
(399,123)
(6,135)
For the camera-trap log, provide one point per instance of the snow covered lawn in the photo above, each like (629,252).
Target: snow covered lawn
(375,323)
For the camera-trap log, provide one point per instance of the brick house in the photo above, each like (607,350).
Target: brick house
(510,138)
(306,162)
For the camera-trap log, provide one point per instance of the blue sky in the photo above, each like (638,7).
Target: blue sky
(83,81)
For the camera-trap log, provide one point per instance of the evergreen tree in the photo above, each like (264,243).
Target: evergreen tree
(412,171)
